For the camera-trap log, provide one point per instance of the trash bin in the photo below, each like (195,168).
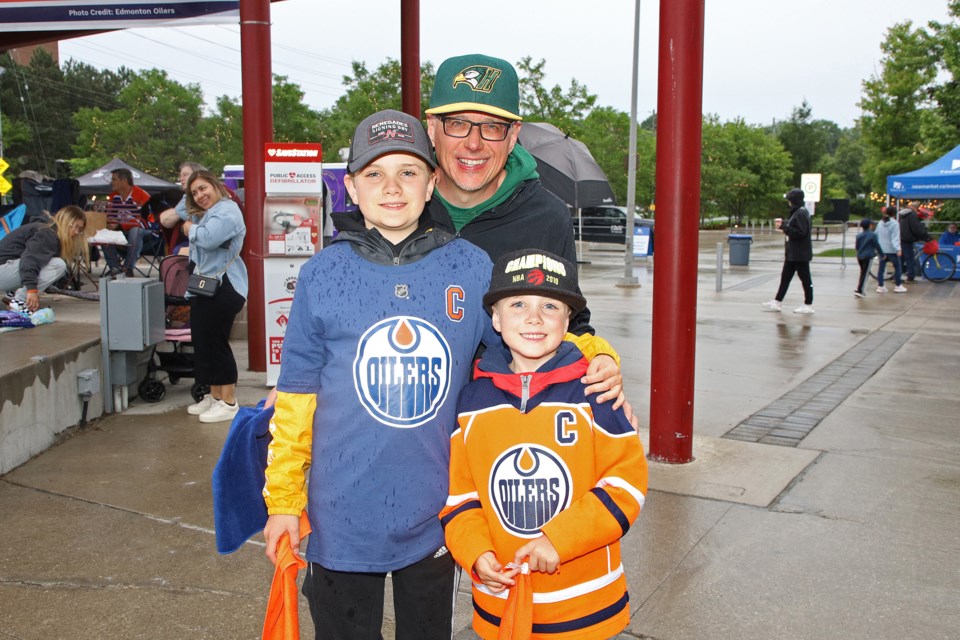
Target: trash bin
(739,248)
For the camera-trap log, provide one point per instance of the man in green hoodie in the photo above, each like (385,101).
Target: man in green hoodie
(488,190)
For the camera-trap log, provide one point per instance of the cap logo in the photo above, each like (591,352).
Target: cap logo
(481,78)
(390,130)
(536,260)
(535,277)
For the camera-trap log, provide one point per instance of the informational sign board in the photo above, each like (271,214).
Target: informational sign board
(4,183)
(279,284)
(292,225)
(293,168)
(642,246)
(292,215)
(810,183)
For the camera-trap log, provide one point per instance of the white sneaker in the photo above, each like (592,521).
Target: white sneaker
(220,412)
(900,289)
(205,403)
(804,308)
(771,305)
(881,289)
(859,294)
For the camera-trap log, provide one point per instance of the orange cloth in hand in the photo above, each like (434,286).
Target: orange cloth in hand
(517,620)
(282,621)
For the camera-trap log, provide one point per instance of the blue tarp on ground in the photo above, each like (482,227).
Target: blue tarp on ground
(939,179)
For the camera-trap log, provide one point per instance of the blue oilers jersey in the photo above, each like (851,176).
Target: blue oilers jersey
(385,349)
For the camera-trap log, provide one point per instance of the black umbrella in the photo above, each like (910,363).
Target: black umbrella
(565,166)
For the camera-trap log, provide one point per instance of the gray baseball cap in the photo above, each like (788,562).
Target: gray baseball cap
(388,131)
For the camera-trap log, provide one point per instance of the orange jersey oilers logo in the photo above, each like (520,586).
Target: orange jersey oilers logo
(402,371)
(529,485)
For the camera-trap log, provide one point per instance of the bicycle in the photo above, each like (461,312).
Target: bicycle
(935,267)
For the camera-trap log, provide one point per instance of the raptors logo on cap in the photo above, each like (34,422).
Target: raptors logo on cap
(535,277)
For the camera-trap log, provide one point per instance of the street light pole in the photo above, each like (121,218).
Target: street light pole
(630,280)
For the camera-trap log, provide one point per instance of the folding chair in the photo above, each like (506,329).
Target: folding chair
(12,220)
(151,252)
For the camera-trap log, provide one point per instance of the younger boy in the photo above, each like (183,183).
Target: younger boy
(540,475)
(867,246)
(383,327)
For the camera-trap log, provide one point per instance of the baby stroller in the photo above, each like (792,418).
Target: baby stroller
(177,360)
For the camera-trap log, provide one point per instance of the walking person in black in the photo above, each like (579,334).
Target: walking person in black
(799,253)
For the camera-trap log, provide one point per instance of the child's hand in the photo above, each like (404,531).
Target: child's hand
(540,554)
(491,573)
(604,377)
(276,526)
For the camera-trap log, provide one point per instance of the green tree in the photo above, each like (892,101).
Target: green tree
(155,128)
(940,126)
(606,132)
(744,171)
(893,102)
(38,101)
(224,130)
(562,108)
(293,121)
(808,141)
(367,92)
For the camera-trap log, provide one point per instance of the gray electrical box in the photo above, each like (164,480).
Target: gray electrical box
(134,314)
(88,382)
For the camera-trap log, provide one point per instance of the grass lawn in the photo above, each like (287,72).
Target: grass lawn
(837,253)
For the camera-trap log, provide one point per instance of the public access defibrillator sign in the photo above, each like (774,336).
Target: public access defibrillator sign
(293,168)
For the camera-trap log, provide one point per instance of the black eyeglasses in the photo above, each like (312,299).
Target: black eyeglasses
(490,131)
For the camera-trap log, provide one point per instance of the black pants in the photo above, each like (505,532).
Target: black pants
(908,259)
(211,320)
(864,269)
(349,606)
(802,269)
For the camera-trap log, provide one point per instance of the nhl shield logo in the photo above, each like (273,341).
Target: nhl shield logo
(402,371)
(529,485)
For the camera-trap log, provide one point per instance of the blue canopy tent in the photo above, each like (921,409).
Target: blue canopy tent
(939,179)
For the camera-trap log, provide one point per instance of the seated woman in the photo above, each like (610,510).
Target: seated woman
(950,237)
(35,256)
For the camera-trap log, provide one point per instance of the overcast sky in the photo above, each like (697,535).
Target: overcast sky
(761,57)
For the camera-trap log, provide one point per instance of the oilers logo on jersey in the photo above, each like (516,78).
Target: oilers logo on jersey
(529,485)
(402,371)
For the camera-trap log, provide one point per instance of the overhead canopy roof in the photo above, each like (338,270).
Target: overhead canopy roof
(98,180)
(939,179)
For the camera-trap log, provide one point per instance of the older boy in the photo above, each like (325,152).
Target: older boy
(539,475)
(382,330)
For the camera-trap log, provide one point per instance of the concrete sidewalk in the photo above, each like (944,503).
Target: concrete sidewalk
(823,503)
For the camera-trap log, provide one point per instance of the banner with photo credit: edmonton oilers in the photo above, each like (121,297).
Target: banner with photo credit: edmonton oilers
(58,15)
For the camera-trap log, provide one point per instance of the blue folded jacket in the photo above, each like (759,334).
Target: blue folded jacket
(239,512)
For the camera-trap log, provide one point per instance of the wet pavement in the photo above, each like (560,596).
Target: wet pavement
(824,500)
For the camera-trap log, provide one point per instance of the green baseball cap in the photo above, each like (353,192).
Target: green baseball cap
(476,82)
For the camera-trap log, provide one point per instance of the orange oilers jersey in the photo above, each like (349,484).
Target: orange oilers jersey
(532,455)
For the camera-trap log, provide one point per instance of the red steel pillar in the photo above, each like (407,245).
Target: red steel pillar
(257,77)
(679,136)
(410,56)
